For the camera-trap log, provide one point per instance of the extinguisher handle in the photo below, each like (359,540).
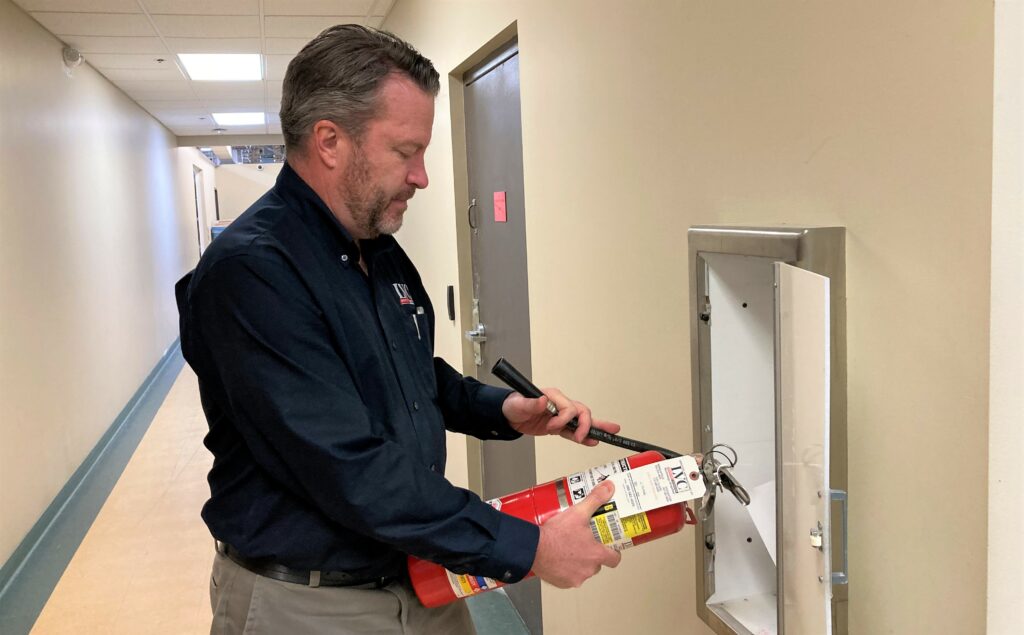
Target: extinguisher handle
(509,374)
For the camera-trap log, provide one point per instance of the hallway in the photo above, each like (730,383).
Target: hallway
(144,566)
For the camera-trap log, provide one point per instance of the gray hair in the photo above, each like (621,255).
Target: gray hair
(337,77)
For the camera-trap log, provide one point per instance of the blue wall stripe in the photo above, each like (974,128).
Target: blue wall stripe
(29,576)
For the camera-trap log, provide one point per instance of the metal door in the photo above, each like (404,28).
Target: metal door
(802,430)
(498,245)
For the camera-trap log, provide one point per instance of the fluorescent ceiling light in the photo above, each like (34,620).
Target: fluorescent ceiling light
(229,67)
(239,118)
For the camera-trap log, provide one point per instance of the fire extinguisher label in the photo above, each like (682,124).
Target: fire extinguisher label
(467,585)
(656,485)
(580,483)
(611,529)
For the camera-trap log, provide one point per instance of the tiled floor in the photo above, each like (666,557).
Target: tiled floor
(144,565)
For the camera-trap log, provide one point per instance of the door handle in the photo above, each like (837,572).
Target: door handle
(478,334)
(842,577)
(469,214)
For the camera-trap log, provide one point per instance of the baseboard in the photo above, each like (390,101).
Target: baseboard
(29,576)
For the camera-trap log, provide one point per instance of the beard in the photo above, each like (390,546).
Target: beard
(367,201)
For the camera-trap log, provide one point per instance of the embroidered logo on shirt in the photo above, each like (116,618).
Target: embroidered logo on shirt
(404,297)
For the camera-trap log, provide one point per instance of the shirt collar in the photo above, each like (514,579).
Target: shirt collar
(290,185)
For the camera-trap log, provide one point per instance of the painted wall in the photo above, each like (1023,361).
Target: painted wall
(1006,426)
(641,119)
(238,186)
(93,235)
(196,217)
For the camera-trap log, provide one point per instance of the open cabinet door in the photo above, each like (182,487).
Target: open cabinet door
(802,431)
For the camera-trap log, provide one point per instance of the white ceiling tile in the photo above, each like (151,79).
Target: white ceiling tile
(202,7)
(213,45)
(274,93)
(105,61)
(117,24)
(303,26)
(92,6)
(383,7)
(190,131)
(260,129)
(142,90)
(228,90)
(318,7)
(277,65)
(202,120)
(131,45)
(239,104)
(274,118)
(188,105)
(209,26)
(157,74)
(284,46)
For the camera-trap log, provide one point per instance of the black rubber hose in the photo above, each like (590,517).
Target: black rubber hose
(517,381)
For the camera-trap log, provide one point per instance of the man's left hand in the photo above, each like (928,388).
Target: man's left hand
(530,416)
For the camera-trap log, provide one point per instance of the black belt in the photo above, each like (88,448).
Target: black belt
(270,569)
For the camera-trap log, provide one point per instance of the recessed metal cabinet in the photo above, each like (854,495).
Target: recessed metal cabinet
(768,341)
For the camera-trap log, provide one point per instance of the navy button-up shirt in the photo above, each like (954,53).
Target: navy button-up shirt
(327,408)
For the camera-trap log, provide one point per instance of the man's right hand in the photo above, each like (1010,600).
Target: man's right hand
(567,553)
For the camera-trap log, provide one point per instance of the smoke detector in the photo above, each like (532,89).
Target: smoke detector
(72,58)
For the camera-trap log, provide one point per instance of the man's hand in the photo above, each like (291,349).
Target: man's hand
(530,416)
(567,553)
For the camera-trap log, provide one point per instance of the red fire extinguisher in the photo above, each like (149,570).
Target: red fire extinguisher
(436,586)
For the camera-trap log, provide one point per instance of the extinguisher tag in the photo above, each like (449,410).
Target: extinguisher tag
(666,482)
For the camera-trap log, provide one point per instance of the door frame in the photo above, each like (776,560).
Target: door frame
(464,287)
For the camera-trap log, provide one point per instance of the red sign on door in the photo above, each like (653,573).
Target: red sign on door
(500,215)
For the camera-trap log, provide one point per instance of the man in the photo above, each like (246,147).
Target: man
(312,338)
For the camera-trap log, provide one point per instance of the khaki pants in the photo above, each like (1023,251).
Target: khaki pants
(250,604)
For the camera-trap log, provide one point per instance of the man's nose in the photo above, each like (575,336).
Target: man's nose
(417,176)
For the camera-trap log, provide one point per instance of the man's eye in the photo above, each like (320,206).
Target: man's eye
(403,153)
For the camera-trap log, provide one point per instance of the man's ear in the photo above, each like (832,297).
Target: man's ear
(329,143)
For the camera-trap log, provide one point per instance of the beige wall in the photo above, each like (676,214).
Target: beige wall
(93,234)
(643,118)
(238,186)
(188,161)
(1006,428)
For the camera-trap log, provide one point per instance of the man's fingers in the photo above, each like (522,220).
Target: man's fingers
(597,497)
(607,426)
(613,558)
(584,420)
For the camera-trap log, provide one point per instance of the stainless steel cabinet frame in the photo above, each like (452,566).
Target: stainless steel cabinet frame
(768,355)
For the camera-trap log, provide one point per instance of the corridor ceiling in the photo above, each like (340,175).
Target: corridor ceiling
(126,40)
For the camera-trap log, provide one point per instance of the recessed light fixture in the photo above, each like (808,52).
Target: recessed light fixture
(239,118)
(226,67)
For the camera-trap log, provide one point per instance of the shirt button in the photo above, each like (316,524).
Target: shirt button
(507,576)
(494,433)
(415,405)
(344,257)
(433,467)
(394,346)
